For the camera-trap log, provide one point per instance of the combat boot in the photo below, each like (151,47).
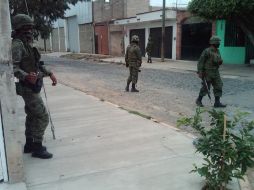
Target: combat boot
(127,86)
(199,101)
(133,88)
(29,146)
(218,104)
(40,152)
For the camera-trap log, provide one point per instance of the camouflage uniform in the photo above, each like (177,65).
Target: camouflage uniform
(149,49)
(133,59)
(208,69)
(26,60)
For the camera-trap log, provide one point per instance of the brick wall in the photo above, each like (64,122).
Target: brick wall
(107,11)
(134,7)
(181,17)
(86,38)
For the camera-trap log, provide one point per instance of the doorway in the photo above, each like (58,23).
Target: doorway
(141,34)
(156,34)
(195,38)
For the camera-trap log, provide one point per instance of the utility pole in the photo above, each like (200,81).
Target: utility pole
(11,154)
(163,31)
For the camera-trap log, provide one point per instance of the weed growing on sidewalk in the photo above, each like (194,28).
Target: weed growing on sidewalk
(227,145)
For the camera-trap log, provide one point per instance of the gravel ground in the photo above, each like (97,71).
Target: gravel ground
(164,94)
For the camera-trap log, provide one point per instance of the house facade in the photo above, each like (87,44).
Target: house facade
(109,38)
(235,47)
(149,24)
(74,33)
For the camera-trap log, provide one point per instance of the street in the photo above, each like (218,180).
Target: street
(165,95)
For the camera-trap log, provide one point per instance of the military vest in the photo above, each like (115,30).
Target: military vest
(29,63)
(134,55)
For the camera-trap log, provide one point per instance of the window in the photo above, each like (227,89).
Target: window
(234,35)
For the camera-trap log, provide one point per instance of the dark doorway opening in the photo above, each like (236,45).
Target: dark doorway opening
(249,50)
(96,44)
(195,38)
(141,34)
(156,34)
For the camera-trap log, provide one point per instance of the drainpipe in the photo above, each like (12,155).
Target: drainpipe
(163,31)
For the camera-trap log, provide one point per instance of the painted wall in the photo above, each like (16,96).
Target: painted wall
(230,55)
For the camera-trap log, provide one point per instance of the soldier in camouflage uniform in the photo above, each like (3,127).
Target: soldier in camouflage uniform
(29,72)
(133,59)
(149,49)
(208,69)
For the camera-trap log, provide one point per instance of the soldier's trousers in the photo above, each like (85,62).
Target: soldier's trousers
(149,59)
(37,118)
(213,79)
(133,77)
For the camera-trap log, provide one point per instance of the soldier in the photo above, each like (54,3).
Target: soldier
(29,72)
(133,59)
(208,69)
(149,49)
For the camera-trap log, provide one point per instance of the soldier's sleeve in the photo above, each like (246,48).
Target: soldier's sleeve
(45,70)
(17,55)
(126,54)
(201,61)
(139,55)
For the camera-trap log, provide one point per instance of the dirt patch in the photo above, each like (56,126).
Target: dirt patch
(79,56)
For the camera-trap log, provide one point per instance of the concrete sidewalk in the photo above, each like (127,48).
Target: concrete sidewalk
(100,146)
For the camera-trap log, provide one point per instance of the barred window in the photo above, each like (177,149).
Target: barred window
(234,35)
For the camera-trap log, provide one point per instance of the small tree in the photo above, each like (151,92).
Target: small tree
(227,146)
(239,11)
(44,12)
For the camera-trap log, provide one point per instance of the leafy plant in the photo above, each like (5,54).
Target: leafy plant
(227,145)
(239,11)
(44,12)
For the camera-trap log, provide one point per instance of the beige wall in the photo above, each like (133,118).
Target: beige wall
(136,6)
(116,43)
(86,38)
(55,41)
(40,44)
(62,39)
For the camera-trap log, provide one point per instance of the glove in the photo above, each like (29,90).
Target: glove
(127,64)
(220,62)
(31,78)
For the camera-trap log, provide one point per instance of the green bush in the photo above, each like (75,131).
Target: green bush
(227,144)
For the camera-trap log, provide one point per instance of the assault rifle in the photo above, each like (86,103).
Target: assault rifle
(207,88)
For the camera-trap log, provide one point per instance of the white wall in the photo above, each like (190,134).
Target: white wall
(147,27)
(83,11)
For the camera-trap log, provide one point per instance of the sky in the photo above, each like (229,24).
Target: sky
(169,3)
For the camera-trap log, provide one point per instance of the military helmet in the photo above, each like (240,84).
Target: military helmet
(214,40)
(135,38)
(21,20)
